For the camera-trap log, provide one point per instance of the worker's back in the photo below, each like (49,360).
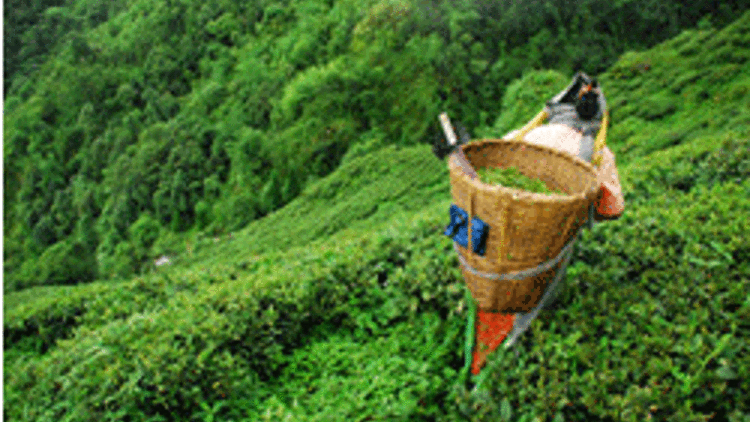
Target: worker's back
(574,119)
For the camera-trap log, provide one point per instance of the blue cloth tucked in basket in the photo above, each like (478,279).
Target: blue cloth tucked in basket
(458,230)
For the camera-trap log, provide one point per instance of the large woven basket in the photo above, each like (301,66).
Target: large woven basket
(525,229)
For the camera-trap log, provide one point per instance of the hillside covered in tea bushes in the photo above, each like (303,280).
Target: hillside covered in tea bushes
(134,128)
(344,301)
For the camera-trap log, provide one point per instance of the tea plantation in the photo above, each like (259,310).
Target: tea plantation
(347,303)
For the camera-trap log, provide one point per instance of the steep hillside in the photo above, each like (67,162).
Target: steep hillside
(134,128)
(362,318)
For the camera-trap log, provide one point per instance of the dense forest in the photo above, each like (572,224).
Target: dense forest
(131,126)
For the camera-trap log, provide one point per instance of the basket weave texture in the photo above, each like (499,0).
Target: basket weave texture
(526,229)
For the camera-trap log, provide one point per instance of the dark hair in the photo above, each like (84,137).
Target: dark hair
(587,106)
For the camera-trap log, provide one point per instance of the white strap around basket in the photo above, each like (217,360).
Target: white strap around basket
(520,275)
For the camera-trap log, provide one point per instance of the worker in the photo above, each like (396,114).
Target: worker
(574,119)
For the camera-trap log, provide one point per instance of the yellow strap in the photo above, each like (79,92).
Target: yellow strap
(601,140)
(535,122)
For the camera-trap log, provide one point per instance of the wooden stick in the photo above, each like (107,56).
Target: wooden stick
(463,162)
(448,129)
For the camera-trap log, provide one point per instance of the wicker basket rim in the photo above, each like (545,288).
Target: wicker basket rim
(519,194)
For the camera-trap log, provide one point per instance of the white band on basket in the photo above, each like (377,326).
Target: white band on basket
(520,275)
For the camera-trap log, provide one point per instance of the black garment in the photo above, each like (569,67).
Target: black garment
(440,146)
(565,108)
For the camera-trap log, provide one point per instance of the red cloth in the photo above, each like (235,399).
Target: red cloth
(608,205)
(612,202)
(491,330)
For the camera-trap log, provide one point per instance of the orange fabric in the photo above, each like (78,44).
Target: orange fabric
(607,205)
(584,90)
(491,329)
(612,202)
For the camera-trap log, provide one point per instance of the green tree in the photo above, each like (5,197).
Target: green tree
(270,195)
(125,260)
(67,262)
(179,200)
(144,232)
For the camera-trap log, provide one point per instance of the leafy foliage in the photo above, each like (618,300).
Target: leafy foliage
(342,299)
(523,99)
(512,178)
(211,115)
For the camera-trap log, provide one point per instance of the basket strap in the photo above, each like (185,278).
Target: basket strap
(520,275)
(532,124)
(600,142)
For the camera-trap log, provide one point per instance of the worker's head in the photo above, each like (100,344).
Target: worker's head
(586,88)
(587,103)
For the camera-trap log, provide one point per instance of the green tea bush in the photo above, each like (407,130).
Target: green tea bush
(58,312)
(239,329)
(691,105)
(512,178)
(371,142)
(704,162)
(66,262)
(671,307)
(42,316)
(400,374)
(361,191)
